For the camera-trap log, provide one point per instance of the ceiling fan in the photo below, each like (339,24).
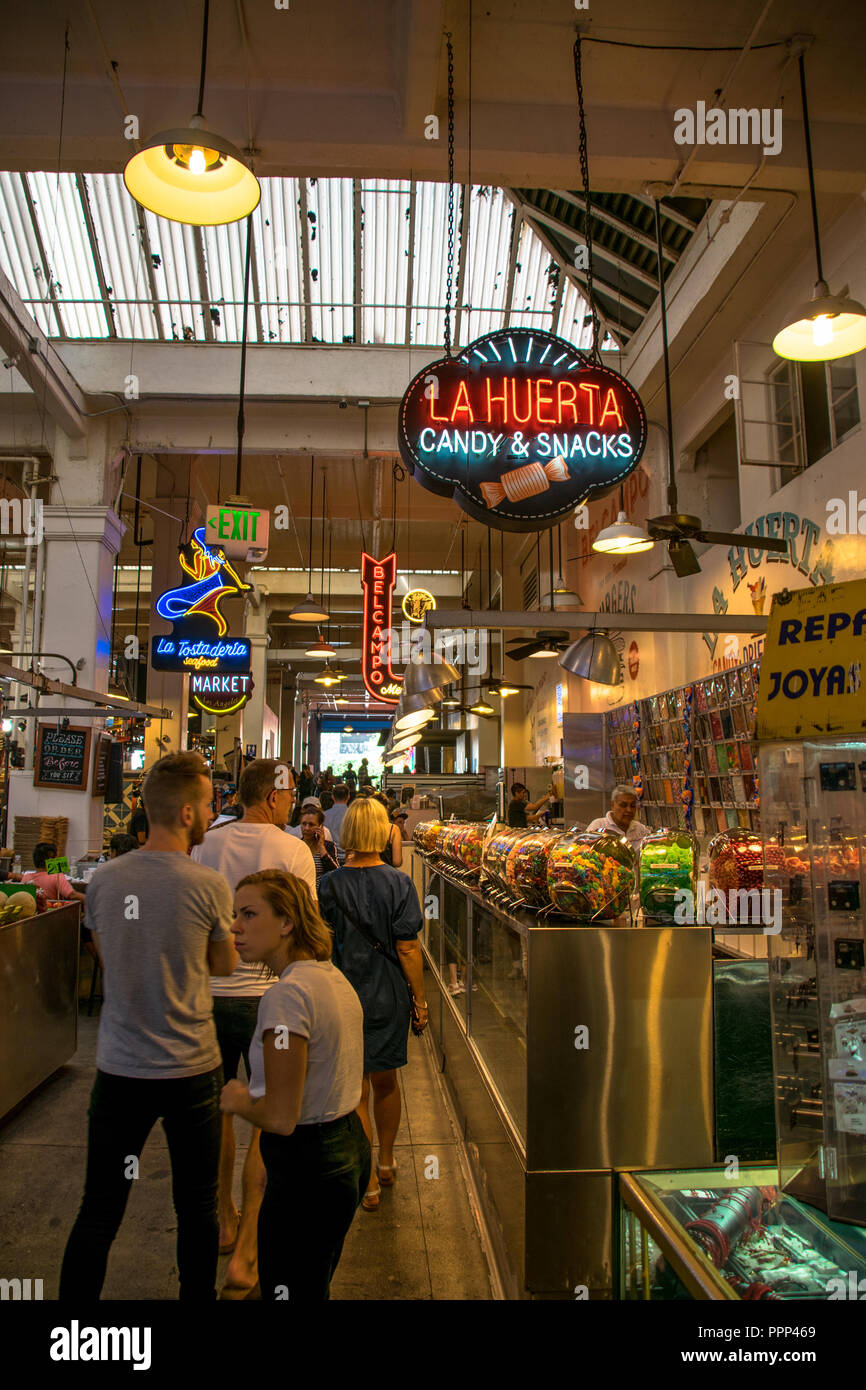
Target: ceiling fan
(548,641)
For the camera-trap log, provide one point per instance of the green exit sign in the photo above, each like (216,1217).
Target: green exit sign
(241,531)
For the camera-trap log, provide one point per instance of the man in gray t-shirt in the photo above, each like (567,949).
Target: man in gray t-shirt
(161,926)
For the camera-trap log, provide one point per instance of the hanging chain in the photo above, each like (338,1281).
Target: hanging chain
(587,226)
(449,276)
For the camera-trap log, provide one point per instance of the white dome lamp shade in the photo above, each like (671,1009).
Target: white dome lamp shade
(622,538)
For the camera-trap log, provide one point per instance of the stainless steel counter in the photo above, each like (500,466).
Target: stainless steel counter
(38,1000)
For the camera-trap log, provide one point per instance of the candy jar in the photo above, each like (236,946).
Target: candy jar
(736,859)
(471,845)
(590,876)
(496,853)
(668,865)
(526,867)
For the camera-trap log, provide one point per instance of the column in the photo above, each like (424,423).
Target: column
(256,630)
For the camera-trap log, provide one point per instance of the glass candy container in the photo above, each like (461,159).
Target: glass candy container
(469,846)
(527,865)
(668,865)
(496,853)
(590,876)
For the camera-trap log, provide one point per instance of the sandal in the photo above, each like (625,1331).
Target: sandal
(391,1170)
(370,1200)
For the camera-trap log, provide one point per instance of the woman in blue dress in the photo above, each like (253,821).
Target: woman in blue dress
(374,913)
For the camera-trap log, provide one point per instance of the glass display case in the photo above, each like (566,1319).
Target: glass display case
(699,1233)
(814,815)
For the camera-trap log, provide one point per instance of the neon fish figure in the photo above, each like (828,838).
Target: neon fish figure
(207,568)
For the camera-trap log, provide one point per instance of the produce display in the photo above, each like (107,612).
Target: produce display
(496,853)
(527,865)
(590,876)
(736,860)
(668,864)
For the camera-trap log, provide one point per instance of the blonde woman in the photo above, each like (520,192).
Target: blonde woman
(374,912)
(306,1063)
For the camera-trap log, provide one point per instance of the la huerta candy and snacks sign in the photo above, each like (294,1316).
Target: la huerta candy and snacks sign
(520,428)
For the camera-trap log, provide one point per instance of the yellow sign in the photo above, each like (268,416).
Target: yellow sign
(814,663)
(416,603)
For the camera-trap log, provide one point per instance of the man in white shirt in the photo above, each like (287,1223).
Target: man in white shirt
(237,848)
(621,818)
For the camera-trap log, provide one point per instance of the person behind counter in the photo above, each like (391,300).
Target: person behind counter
(54,886)
(622,817)
(520,807)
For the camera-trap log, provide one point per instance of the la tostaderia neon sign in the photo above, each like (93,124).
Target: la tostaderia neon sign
(520,428)
(193,609)
(377,580)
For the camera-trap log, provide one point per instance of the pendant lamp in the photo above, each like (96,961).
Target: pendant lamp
(593,657)
(310,610)
(827,326)
(622,538)
(191,174)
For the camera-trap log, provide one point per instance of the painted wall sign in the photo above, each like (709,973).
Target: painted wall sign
(193,609)
(240,531)
(813,671)
(416,603)
(377,580)
(221,692)
(520,428)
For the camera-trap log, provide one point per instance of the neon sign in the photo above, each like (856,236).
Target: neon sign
(416,603)
(520,428)
(377,580)
(193,609)
(221,693)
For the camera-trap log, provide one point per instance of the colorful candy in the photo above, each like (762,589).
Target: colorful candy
(496,853)
(590,876)
(668,864)
(527,865)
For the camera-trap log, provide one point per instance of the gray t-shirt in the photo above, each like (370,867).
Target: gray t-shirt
(155,913)
(315,1000)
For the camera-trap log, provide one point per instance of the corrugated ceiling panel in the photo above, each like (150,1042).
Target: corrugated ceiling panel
(331,251)
(67,249)
(431,238)
(225,257)
(487,268)
(176,278)
(278,248)
(385,258)
(19,253)
(532,304)
(115,221)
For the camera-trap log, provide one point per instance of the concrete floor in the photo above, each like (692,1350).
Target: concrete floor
(422,1243)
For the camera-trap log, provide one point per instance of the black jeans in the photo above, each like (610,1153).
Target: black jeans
(316,1179)
(123,1111)
(235,1019)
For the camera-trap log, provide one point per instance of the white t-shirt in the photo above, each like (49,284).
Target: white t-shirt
(636,833)
(315,1000)
(235,849)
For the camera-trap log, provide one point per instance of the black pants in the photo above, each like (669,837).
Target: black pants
(123,1111)
(316,1179)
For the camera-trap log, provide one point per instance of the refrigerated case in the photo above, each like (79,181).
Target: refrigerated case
(813,807)
(707,1234)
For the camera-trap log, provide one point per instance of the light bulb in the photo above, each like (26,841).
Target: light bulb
(822,330)
(197,162)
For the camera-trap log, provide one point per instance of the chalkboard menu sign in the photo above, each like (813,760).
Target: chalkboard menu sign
(62,757)
(101,763)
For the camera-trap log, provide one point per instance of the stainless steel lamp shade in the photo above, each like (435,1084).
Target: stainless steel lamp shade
(593,657)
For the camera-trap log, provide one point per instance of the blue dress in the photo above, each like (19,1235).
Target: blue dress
(385,901)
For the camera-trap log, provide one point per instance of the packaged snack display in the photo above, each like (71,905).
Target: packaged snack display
(590,876)
(668,864)
(496,853)
(527,865)
(736,860)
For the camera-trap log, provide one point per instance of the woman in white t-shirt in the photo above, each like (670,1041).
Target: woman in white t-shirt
(306,1071)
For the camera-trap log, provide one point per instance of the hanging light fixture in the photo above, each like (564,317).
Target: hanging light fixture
(309,611)
(191,174)
(829,325)
(501,689)
(421,676)
(593,657)
(482,707)
(320,648)
(327,677)
(622,538)
(348,729)
(341,700)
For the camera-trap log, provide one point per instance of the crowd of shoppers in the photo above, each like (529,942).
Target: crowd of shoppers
(292,946)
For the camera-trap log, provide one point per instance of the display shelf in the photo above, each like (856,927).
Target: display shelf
(691,753)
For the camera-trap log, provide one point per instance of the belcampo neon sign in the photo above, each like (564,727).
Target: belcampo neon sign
(520,428)
(377,579)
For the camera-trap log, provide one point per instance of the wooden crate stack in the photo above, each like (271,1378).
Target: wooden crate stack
(31,830)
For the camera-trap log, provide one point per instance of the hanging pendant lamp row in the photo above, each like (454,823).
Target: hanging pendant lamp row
(309,611)
(191,174)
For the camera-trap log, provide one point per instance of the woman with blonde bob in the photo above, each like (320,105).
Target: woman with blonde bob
(306,1065)
(374,912)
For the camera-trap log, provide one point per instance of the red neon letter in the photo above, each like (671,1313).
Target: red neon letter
(499,400)
(541,400)
(589,387)
(521,419)
(611,408)
(465,408)
(566,399)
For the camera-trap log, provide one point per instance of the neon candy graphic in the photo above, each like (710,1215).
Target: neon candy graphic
(208,570)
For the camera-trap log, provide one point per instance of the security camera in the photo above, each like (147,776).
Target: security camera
(343,403)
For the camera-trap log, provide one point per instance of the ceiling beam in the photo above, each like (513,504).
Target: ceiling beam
(627,228)
(203,287)
(43,259)
(536,215)
(585,622)
(84,200)
(516,229)
(39,364)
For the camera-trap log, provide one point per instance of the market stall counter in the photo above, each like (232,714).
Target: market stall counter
(38,999)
